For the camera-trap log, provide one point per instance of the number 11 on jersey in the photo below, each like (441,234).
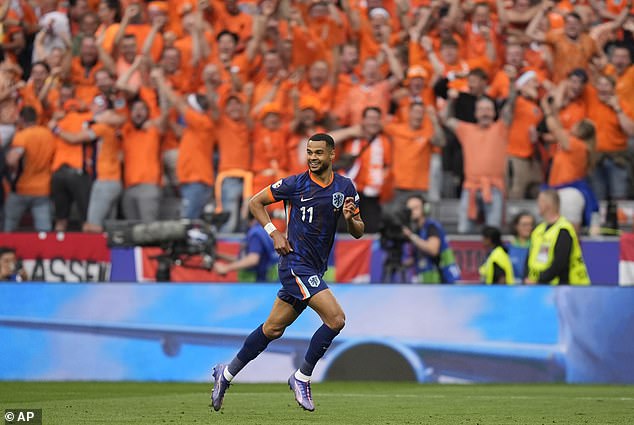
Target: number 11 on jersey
(310,214)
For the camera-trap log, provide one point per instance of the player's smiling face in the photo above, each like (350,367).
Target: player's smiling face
(319,156)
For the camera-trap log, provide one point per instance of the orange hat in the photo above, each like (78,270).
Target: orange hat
(417,72)
(158,6)
(309,102)
(270,108)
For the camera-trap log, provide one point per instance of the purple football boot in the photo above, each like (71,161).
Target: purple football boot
(302,392)
(220,386)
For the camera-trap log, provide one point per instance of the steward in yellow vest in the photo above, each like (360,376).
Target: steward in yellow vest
(497,268)
(555,255)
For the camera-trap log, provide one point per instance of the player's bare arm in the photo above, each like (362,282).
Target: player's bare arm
(353,219)
(257,206)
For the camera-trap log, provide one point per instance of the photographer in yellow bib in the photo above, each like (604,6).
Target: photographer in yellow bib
(554,256)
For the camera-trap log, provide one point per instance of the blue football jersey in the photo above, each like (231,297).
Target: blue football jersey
(312,212)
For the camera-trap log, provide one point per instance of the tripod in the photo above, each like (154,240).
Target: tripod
(393,269)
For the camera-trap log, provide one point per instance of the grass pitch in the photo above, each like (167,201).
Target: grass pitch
(87,403)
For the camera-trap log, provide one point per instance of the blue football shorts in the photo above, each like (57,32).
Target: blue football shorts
(298,288)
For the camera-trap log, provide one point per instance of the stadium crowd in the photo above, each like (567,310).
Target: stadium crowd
(111,106)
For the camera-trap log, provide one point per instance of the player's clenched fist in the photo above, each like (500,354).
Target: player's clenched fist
(349,208)
(280,243)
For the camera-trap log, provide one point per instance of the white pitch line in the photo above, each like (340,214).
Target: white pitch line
(483,397)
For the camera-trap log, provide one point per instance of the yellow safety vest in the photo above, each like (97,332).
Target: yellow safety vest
(501,258)
(542,251)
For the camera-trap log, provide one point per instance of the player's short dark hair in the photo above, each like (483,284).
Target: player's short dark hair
(371,108)
(323,137)
(28,114)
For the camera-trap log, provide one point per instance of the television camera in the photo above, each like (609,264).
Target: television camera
(186,243)
(392,241)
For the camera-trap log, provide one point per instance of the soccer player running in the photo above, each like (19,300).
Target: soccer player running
(314,202)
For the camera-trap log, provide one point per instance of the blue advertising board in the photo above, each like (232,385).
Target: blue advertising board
(428,333)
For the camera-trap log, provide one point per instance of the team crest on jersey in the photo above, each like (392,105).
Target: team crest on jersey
(277,184)
(337,199)
(313,281)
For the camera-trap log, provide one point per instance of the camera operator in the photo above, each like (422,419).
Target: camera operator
(434,259)
(258,260)
(10,268)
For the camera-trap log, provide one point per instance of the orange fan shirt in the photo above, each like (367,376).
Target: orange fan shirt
(526,118)
(240,24)
(609,133)
(569,165)
(84,80)
(362,96)
(30,98)
(568,54)
(270,156)
(402,111)
(234,144)
(371,172)
(482,148)
(39,147)
(141,155)
(412,151)
(624,84)
(73,155)
(108,153)
(345,82)
(324,95)
(573,112)
(195,154)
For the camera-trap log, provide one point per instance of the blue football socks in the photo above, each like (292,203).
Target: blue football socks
(319,343)
(255,343)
